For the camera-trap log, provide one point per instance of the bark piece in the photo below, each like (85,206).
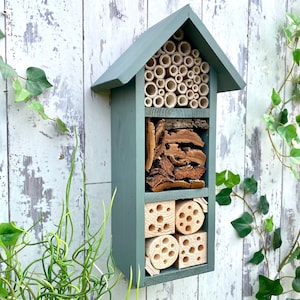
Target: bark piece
(165,164)
(159,130)
(186,123)
(150,144)
(186,136)
(189,172)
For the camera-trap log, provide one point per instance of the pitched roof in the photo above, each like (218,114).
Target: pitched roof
(136,56)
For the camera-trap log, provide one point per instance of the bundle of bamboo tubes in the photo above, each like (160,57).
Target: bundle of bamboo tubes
(176,76)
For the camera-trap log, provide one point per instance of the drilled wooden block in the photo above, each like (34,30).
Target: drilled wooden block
(159,218)
(162,251)
(192,249)
(189,216)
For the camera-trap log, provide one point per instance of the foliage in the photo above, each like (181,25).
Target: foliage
(35,84)
(281,120)
(257,220)
(58,273)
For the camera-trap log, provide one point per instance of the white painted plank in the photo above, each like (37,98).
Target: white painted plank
(265,62)
(223,19)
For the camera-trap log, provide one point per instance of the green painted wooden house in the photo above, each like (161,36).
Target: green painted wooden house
(127,80)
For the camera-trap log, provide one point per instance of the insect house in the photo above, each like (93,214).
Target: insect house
(163,110)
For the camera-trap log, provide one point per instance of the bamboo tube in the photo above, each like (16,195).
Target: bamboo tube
(173,70)
(193,103)
(150,89)
(160,82)
(165,60)
(170,100)
(177,59)
(197,79)
(181,88)
(190,94)
(158,101)
(196,69)
(182,100)
(189,83)
(188,61)
(178,35)
(162,251)
(197,61)
(148,101)
(161,92)
(204,67)
(195,53)
(195,88)
(171,85)
(203,89)
(182,70)
(169,47)
(159,71)
(203,102)
(149,75)
(158,53)
(204,78)
(151,63)
(196,96)
(184,48)
(190,74)
(178,78)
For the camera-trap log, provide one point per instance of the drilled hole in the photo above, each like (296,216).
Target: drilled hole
(182,252)
(151,227)
(159,207)
(181,215)
(166,226)
(200,247)
(189,218)
(198,238)
(159,229)
(165,261)
(198,258)
(156,256)
(165,240)
(171,253)
(160,219)
(188,228)
(185,259)
(192,250)
(189,207)
(169,209)
(164,250)
(185,242)
(195,212)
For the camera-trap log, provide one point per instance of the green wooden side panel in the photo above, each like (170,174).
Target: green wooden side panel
(135,57)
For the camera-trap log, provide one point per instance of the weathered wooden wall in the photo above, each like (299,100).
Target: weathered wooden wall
(74,42)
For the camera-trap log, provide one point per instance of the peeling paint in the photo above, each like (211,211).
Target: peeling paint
(114,11)
(31,34)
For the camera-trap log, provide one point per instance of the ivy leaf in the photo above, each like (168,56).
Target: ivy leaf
(9,234)
(296,281)
(294,255)
(263,205)
(269,225)
(288,133)
(295,156)
(6,70)
(223,197)
(276,99)
(2,35)
(270,122)
(296,56)
(61,126)
(268,288)
(37,106)
(232,179)
(257,258)
(283,116)
(250,185)
(288,34)
(36,82)
(243,224)
(220,178)
(21,94)
(298,119)
(293,19)
(277,238)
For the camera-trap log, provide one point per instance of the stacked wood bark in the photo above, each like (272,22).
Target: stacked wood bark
(174,156)
(176,76)
(173,234)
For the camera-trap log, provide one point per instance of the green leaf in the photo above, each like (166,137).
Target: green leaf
(269,225)
(268,288)
(288,133)
(223,197)
(21,94)
(6,70)
(37,106)
(257,258)
(243,224)
(263,205)
(298,119)
(36,82)
(277,239)
(9,234)
(2,35)
(250,185)
(283,116)
(296,56)
(276,99)
(296,281)
(232,179)
(220,178)
(293,19)
(295,156)
(270,122)
(61,126)
(288,34)
(294,255)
